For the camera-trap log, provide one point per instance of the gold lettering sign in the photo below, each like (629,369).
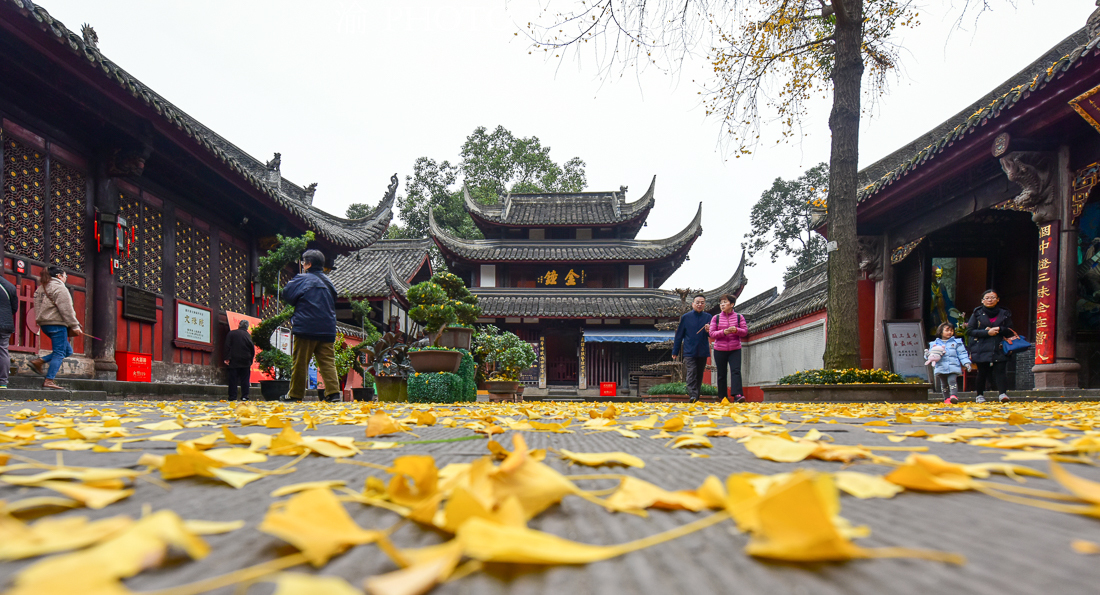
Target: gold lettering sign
(571,278)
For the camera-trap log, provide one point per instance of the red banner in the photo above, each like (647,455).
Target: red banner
(1047,293)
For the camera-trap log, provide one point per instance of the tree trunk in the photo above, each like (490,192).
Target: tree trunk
(842,330)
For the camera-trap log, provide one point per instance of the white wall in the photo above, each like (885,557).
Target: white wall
(636,276)
(488,275)
(766,360)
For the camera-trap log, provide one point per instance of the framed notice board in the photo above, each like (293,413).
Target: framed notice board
(905,342)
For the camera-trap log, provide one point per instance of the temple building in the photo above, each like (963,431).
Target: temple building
(158,221)
(381,274)
(565,272)
(1000,196)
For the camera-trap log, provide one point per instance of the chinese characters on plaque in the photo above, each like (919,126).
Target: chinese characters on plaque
(192,324)
(570,278)
(905,339)
(1047,293)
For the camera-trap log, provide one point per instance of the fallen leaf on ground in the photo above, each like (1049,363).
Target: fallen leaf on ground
(596,459)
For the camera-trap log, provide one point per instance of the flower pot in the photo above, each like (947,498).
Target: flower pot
(392,388)
(363,394)
(502,386)
(456,337)
(435,360)
(273,389)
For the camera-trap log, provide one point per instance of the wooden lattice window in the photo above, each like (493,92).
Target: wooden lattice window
(234,278)
(144,267)
(68,187)
(25,183)
(192,264)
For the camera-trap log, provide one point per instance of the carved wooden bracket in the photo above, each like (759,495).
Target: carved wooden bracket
(1034,172)
(870,256)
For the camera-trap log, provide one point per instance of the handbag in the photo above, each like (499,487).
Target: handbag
(1015,343)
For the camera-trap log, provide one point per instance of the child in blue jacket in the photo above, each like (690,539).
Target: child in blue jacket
(951,363)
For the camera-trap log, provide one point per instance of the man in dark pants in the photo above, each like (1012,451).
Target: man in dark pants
(692,333)
(9,305)
(314,321)
(239,352)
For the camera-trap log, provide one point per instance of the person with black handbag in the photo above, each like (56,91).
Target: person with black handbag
(54,313)
(987,327)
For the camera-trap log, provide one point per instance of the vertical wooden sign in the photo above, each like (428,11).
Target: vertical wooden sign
(1047,293)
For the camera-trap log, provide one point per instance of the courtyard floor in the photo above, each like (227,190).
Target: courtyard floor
(104,498)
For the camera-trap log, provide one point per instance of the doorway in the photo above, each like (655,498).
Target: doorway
(562,359)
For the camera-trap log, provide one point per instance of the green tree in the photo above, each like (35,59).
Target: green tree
(769,58)
(358,210)
(781,220)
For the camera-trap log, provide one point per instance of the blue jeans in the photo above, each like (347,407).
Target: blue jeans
(59,338)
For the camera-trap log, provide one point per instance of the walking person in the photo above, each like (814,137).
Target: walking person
(726,328)
(314,300)
(693,342)
(54,313)
(951,362)
(988,325)
(9,305)
(239,353)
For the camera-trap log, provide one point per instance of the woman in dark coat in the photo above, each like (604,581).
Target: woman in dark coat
(988,325)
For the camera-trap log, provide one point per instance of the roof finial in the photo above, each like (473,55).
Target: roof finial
(276,163)
(90,38)
(1092,26)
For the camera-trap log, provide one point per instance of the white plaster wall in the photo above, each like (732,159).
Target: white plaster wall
(636,276)
(488,275)
(766,360)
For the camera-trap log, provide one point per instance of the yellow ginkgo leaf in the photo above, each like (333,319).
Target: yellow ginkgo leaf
(673,425)
(633,494)
(94,498)
(779,450)
(929,473)
(422,575)
(308,485)
(1085,547)
(689,441)
(162,426)
(235,456)
(1089,491)
(316,523)
(237,479)
(381,424)
(863,485)
(198,527)
(294,583)
(596,459)
(52,535)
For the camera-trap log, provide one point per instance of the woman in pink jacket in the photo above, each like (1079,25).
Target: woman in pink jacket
(726,329)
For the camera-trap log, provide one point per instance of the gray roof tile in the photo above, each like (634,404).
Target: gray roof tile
(365,273)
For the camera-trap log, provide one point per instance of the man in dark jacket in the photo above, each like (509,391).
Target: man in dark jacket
(9,305)
(239,352)
(693,335)
(314,300)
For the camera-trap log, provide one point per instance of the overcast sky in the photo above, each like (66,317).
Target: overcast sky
(351,92)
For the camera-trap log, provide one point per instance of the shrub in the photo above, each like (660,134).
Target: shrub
(680,388)
(437,387)
(848,376)
(467,370)
(288,251)
(272,362)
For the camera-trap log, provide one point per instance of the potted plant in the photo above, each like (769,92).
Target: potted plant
(366,392)
(850,385)
(389,365)
(481,348)
(273,362)
(344,357)
(433,308)
(457,334)
(511,356)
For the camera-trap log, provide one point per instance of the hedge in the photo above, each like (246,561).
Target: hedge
(680,388)
(846,376)
(467,370)
(438,387)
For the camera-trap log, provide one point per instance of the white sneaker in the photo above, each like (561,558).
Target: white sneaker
(1003,398)
(979,399)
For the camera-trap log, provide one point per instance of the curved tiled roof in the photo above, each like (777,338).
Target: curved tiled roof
(567,250)
(353,233)
(560,208)
(364,273)
(1027,82)
(802,295)
(499,302)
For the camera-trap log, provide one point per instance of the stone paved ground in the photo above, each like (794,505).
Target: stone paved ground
(1010,547)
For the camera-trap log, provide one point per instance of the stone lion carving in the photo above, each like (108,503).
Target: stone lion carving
(870,256)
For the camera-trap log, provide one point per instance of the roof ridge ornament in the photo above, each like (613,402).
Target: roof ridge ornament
(1092,26)
(91,39)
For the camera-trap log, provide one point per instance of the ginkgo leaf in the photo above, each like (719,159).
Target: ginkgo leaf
(94,498)
(634,494)
(316,523)
(422,575)
(198,527)
(779,450)
(1089,491)
(1082,546)
(381,424)
(596,459)
(863,485)
(235,456)
(308,485)
(237,479)
(293,583)
(52,535)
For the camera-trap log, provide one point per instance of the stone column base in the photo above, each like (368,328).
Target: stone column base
(1061,374)
(106,369)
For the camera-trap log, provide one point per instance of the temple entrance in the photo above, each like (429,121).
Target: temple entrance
(562,359)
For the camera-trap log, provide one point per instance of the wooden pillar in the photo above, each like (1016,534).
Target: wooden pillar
(169,321)
(104,288)
(884,305)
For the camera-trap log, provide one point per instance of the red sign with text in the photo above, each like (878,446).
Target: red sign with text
(1047,293)
(134,367)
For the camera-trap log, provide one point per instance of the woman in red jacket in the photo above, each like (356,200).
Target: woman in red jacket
(727,328)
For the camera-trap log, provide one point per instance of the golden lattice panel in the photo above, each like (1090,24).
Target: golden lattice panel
(129,271)
(24,182)
(234,278)
(69,188)
(151,234)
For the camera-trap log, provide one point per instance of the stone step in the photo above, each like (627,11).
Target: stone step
(45,394)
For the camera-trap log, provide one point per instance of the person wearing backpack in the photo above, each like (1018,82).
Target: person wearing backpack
(726,329)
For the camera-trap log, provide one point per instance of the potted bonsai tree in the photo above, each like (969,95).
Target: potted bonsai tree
(457,334)
(482,346)
(389,365)
(511,356)
(433,308)
(272,361)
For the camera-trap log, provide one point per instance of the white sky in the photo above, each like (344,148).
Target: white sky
(351,91)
